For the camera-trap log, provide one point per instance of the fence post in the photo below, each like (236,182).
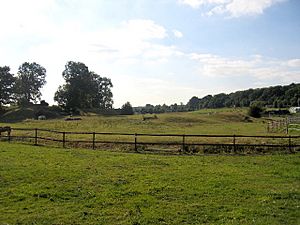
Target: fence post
(135,142)
(183,142)
(234,146)
(9,137)
(64,139)
(35,136)
(287,125)
(290,143)
(94,140)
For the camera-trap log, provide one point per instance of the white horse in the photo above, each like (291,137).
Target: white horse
(42,117)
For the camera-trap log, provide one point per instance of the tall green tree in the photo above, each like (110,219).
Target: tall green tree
(83,88)
(30,79)
(193,104)
(7,81)
(127,109)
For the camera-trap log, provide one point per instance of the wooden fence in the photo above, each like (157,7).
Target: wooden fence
(170,143)
(283,125)
(293,120)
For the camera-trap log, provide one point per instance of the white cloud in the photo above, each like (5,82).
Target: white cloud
(238,8)
(133,53)
(22,18)
(133,43)
(256,66)
(177,34)
(133,39)
(293,63)
(235,8)
(144,29)
(199,3)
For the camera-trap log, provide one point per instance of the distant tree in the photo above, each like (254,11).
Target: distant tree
(102,90)
(29,81)
(158,109)
(83,88)
(193,104)
(205,101)
(127,109)
(149,108)
(260,104)
(174,107)
(165,108)
(7,81)
(256,109)
(182,107)
(277,96)
(293,95)
(218,101)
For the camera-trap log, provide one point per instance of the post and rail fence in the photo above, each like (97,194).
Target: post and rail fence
(169,143)
(284,125)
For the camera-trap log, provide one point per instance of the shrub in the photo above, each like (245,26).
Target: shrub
(255,111)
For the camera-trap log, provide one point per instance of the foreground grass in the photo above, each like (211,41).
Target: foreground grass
(40,185)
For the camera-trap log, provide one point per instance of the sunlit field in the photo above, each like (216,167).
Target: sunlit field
(41,185)
(213,121)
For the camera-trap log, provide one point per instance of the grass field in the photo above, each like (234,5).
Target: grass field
(40,185)
(206,121)
(226,121)
(212,121)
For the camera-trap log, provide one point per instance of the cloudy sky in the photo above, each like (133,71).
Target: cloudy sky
(162,51)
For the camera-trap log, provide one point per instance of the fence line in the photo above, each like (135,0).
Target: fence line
(160,135)
(293,120)
(289,142)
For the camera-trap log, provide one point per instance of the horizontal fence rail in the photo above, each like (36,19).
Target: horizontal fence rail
(170,143)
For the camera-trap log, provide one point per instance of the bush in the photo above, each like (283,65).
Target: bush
(255,111)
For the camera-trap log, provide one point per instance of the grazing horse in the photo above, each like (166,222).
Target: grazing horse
(5,129)
(42,117)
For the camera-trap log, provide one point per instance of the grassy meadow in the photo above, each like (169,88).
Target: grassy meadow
(50,185)
(226,121)
(206,121)
(42,185)
(209,121)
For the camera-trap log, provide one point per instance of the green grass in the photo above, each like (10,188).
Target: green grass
(40,185)
(221,121)
(206,121)
(227,121)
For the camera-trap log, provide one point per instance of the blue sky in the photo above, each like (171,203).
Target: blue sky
(162,51)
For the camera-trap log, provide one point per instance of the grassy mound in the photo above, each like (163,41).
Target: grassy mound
(18,114)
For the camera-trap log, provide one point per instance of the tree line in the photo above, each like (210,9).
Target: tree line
(82,89)
(85,89)
(273,97)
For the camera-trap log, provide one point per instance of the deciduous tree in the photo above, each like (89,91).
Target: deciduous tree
(127,109)
(30,79)
(83,88)
(7,81)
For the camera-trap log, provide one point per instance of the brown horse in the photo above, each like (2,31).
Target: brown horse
(5,129)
